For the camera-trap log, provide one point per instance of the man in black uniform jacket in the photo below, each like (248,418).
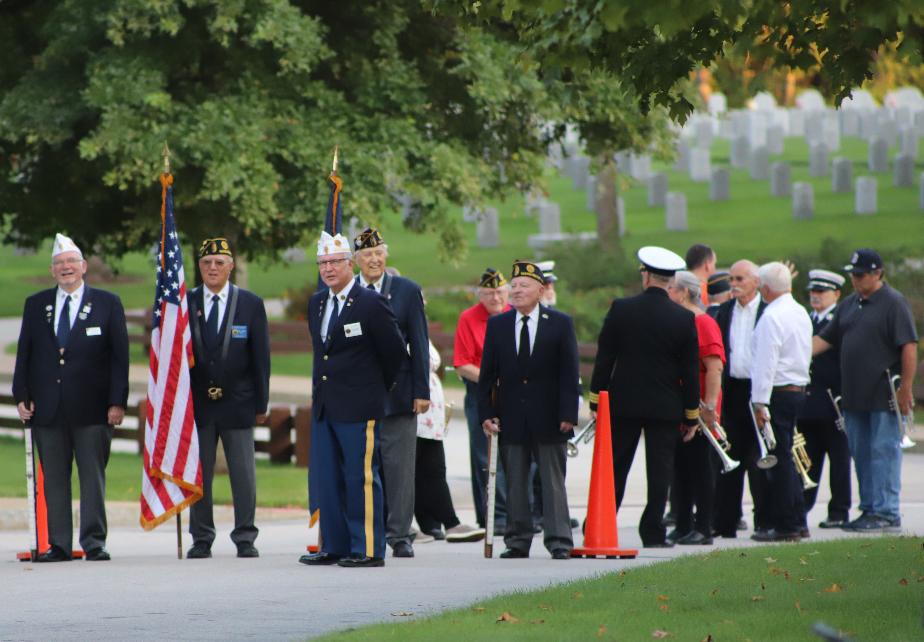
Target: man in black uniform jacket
(230,386)
(648,360)
(71,382)
(817,417)
(530,360)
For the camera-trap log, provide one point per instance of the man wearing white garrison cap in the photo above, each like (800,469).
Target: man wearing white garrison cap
(358,353)
(71,384)
(648,361)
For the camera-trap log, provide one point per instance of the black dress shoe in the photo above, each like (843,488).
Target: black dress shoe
(695,538)
(561,554)
(741,525)
(402,549)
(664,544)
(54,554)
(804,532)
(98,554)
(675,535)
(199,551)
(360,561)
(669,520)
(574,523)
(437,534)
(247,550)
(773,535)
(319,559)
(833,523)
(514,554)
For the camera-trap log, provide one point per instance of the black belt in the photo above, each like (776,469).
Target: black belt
(789,388)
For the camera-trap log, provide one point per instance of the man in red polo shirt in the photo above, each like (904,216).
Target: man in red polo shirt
(469,343)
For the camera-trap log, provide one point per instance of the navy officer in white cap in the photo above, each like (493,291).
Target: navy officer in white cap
(648,361)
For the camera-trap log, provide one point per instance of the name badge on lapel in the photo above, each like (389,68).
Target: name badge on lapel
(353,329)
(238,331)
(95,331)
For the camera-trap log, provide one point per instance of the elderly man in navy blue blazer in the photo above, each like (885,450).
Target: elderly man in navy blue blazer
(230,386)
(411,394)
(528,393)
(358,354)
(71,383)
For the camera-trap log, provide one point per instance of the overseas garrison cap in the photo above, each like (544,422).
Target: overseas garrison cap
(658,260)
(527,269)
(547,268)
(864,260)
(824,280)
(368,238)
(336,244)
(217,245)
(491,278)
(718,283)
(64,244)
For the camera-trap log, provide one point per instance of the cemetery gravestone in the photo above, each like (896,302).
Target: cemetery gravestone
(488,228)
(775,141)
(682,164)
(580,170)
(550,218)
(780,180)
(657,189)
(818,159)
(878,155)
(759,164)
(718,184)
(591,193)
(908,139)
(803,201)
(903,171)
(865,195)
(700,167)
(740,150)
(675,216)
(841,175)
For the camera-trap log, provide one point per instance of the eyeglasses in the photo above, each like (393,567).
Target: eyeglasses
(331,263)
(72,260)
(215,262)
(737,278)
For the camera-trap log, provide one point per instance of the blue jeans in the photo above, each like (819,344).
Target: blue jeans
(875,445)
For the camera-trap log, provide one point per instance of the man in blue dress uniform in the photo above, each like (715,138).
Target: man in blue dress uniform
(358,353)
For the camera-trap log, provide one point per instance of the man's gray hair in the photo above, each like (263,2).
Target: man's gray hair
(776,276)
(690,282)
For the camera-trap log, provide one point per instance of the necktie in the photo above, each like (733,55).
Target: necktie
(523,351)
(371,286)
(211,323)
(334,315)
(64,323)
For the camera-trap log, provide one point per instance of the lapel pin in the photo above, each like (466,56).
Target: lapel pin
(545,316)
(49,308)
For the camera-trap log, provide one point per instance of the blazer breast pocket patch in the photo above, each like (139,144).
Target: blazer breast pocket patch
(238,331)
(95,331)
(353,329)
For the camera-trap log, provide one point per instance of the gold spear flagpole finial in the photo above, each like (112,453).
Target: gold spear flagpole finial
(166,154)
(336,158)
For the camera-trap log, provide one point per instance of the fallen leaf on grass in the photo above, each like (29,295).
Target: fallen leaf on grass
(757,598)
(708,638)
(834,588)
(507,617)
(921,579)
(402,614)
(660,634)
(577,595)
(867,545)
(799,607)
(713,591)
(763,587)
(545,607)
(664,607)
(478,609)
(769,560)
(803,561)
(775,570)
(601,631)
(903,582)
(663,598)
(537,621)
(814,553)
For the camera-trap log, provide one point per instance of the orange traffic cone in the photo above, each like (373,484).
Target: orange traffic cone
(601,537)
(41,520)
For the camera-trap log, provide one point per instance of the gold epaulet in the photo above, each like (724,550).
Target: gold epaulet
(691,414)
(593,397)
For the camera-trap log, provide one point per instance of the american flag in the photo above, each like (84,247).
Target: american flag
(172,477)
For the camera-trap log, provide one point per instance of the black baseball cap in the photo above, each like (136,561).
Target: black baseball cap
(864,260)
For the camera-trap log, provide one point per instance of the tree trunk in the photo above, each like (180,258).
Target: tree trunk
(610,217)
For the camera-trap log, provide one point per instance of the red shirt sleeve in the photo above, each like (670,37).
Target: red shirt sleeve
(710,338)
(465,348)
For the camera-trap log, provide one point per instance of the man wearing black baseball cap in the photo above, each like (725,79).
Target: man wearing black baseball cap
(874,330)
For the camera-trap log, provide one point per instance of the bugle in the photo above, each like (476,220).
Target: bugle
(801,460)
(840,422)
(584,435)
(766,440)
(719,444)
(904,421)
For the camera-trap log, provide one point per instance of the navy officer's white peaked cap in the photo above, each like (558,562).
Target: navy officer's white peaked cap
(658,260)
(825,280)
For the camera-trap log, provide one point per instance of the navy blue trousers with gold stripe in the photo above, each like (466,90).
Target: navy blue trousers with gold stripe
(345,467)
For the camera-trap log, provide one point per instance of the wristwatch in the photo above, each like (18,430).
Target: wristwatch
(709,406)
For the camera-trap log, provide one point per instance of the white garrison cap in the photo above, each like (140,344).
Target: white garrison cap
(548,268)
(328,244)
(64,244)
(825,280)
(658,260)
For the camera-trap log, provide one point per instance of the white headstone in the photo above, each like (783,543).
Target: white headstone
(488,228)
(700,164)
(919,122)
(887,128)
(910,97)
(718,184)
(831,130)
(675,214)
(780,180)
(841,175)
(759,164)
(865,195)
(869,124)
(641,166)
(623,166)
(796,122)
(908,141)
(740,151)
(810,100)
(878,156)
(591,202)
(550,218)
(703,133)
(859,99)
(682,164)
(657,189)
(533,200)
(814,127)
(803,201)
(763,101)
(717,104)
(849,122)
(578,170)
(818,159)
(775,141)
(470,214)
(903,171)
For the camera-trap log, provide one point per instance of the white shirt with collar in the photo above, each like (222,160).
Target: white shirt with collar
(532,326)
(76,298)
(820,316)
(740,332)
(222,301)
(377,284)
(329,306)
(782,348)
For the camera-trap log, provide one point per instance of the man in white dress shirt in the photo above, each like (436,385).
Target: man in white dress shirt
(782,349)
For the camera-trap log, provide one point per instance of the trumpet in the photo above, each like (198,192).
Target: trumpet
(766,440)
(840,422)
(801,459)
(719,442)
(584,435)
(904,421)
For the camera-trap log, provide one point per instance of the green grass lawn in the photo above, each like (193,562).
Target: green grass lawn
(277,484)
(869,589)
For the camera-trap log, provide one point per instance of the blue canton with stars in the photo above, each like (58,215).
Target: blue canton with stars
(169,272)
